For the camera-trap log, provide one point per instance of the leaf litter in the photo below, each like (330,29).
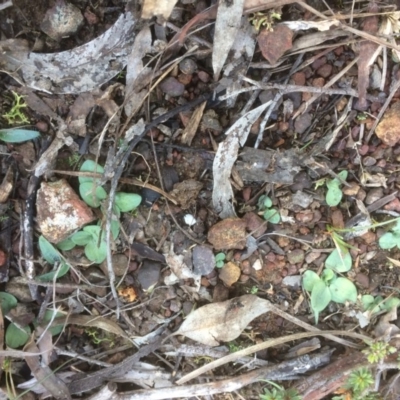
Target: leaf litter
(270,161)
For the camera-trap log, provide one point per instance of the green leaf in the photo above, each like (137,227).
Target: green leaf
(389,240)
(367,301)
(115,228)
(309,280)
(342,290)
(17,135)
(220,257)
(333,195)
(219,264)
(396,227)
(58,273)
(49,252)
(66,245)
(127,201)
(94,230)
(96,254)
(16,337)
(91,194)
(320,296)
(390,303)
(7,302)
(272,215)
(90,166)
(327,275)
(48,316)
(343,174)
(339,261)
(81,238)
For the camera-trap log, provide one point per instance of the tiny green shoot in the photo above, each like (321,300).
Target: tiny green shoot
(270,214)
(220,260)
(334,194)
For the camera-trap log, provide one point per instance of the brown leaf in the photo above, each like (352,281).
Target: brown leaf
(274,44)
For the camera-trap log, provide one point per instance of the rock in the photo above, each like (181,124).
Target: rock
(149,274)
(388,129)
(229,273)
(203,260)
(351,191)
(325,71)
(255,224)
(274,43)
(373,195)
(172,87)
(62,20)
(299,78)
(228,234)
(60,212)
(120,265)
(302,122)
(394,205)
(296,256)
(302,199)
(293,281)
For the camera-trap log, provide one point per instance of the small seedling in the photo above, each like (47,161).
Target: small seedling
(16,115)
(15,135)
(53,257)
(329,287)
(392,238)
(279,393)
(377,304)
(377,351)
(270,214)
(357,386)
(266,19)
(92,237)
(220,260)
(334,194)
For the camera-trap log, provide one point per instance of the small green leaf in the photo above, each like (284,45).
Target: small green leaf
(17,135)
(66,245)
(219,264)
(90,166)
(390,303)
(49,252)
(367,301)
(272,215)
(96,254)
(48,316)
(7,301)
(220,257)
(81,238)
(94,230)
(327,275)
(115,228)
(127,201)
(333,195)
(343,174)
(320,296)
(309,280)
(58,273)
(389,240)
(92,194)
(342,290)
(396,227)
(339,261)
(16,337)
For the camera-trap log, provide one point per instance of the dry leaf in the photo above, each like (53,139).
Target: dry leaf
(274,44)
(225,158)
(229,15)
(193,124)
(222,321)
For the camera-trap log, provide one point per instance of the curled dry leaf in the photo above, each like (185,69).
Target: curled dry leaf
(222,321)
